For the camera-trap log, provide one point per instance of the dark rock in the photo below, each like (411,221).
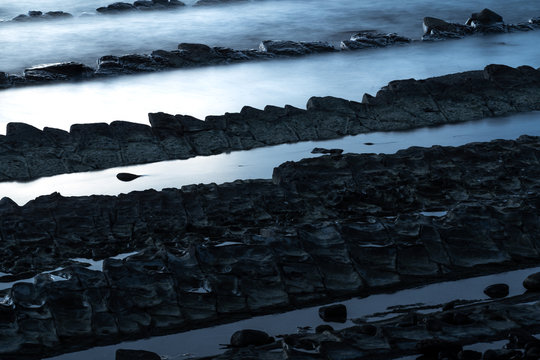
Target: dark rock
(484,17)
(122,354)
(60,71)
(327,151)
(503,354)
(57,15)
(532,282)
(333,313)
(127,176)
(243,338)
(322,328)
(35,13)
(198,53)
(432,347)
(117,7)
(437,29)
(4,80)
(496,291)
(293,48)
(469,355)
(369,39)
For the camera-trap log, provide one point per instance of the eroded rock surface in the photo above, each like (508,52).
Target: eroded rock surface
(28,153)
(502,320)
(323,229)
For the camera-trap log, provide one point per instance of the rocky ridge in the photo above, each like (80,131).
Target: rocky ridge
(323,229)
(195,55)
(440,335)
(28,153)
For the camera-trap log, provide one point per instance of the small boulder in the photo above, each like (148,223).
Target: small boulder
(484,17)
(247,337)
(497,291)
(127,176)
(334,313)
(322,328)
(532,282)
(122,354)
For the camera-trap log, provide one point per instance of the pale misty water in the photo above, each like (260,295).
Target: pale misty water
(239,26)
(216,90)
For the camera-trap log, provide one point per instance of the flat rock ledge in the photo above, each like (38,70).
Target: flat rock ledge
(323,229)
(28,153)
(425,335)
(189,55)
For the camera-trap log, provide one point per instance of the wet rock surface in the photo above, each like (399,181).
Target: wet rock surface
(35,15)
(196,55)
(28,153)
(484,22)
(322,229)
(490,322)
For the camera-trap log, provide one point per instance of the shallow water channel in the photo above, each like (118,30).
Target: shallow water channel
(259,163)
(205,342)
(216,90)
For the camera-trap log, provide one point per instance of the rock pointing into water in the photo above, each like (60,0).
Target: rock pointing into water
(127,176)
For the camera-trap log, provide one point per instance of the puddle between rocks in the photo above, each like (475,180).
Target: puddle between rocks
(205,342)
(259,163)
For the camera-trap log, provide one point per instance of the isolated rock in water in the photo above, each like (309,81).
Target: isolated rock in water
(122,354)
(243,338)
(127,176)
(334,313)
(370,39)
(327,151)
(532,282)
(496,291)
(60,71)
(116,8)
(484,17)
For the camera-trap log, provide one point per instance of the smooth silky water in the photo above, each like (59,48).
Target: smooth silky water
(241,25)
(216,90)
(205,342)
(259,163)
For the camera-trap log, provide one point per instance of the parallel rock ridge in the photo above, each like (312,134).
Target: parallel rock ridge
(323,229)
(27,153)
(514,320)
(195,55)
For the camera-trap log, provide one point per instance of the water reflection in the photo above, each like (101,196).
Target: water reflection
(259,163)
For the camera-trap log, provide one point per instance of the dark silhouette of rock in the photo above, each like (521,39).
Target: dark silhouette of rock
(248,337)
(496,291)
(127,176)
(484,17)
(333,313)
(322,328)
(532,282)
(433,347)
(327,151)
(122,354)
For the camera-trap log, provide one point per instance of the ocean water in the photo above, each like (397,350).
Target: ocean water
(241,25)
(216,90)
